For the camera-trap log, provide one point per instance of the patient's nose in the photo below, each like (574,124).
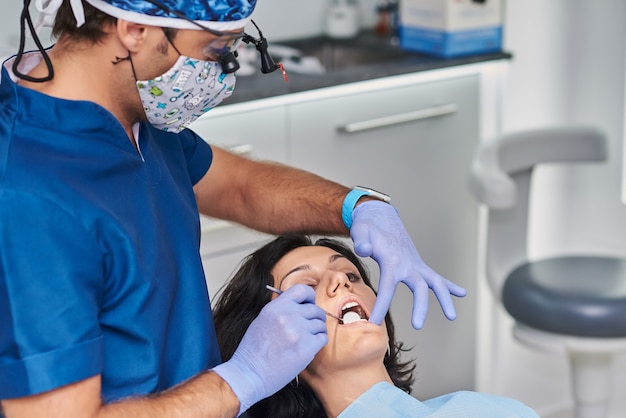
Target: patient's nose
(338,280)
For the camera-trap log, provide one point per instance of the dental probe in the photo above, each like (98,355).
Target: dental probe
(278,292)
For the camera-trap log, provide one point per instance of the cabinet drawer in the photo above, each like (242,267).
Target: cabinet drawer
(416,124)
(219,236)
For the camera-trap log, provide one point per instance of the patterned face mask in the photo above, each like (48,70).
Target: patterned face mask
(189,89)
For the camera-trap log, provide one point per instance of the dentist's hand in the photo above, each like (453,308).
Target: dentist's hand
(278,345)
(378,232)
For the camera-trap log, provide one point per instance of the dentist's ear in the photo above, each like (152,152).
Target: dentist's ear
(134,36)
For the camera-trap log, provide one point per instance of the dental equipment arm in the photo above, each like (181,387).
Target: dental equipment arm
(378,232)
(278,345)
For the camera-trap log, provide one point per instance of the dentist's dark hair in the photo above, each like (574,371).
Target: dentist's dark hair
(242,298)
(91,31)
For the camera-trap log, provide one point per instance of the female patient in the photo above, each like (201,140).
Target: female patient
(359,372)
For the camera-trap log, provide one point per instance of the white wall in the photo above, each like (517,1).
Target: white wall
(278,19)
(292,19)
(10,23)
(9,28)
(568,67)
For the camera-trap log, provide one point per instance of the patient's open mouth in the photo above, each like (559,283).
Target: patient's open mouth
(352,312)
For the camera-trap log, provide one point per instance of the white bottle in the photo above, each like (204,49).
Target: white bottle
(342,19)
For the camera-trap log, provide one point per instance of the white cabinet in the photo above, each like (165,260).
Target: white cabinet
(420,155)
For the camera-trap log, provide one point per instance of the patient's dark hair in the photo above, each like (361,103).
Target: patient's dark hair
(242,298)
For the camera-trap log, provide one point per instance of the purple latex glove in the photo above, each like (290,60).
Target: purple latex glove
(278,345)
(378,232)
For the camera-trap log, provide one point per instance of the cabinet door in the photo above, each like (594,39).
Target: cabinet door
(223,245)
(422,162)
(220,266)
(257,134)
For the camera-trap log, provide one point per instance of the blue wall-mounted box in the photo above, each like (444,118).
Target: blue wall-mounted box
(450,28)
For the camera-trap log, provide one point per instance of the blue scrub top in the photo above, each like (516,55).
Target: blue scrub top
(100,271)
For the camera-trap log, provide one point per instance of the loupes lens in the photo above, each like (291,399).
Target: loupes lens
(229,63)
(222,45)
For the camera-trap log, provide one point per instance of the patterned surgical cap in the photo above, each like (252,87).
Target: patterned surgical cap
(215,14)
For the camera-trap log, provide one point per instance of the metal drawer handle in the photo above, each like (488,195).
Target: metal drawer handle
(431,112)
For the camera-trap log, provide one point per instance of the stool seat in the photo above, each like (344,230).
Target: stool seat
(581,296)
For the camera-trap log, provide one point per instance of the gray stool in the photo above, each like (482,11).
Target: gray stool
(575,304)
(582,296)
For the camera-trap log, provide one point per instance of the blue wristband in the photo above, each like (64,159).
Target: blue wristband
(349,202)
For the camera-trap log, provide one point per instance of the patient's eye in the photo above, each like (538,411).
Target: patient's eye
(353,277)
(300,279)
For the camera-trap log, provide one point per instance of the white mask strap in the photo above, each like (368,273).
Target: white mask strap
(48,11)
(79,12)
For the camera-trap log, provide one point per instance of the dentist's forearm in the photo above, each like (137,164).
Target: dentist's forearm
(270,197)
(203,396)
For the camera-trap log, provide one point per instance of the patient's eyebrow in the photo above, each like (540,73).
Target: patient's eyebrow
(302,267)
(299,268)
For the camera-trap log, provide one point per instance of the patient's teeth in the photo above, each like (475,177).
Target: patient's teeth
(349,305)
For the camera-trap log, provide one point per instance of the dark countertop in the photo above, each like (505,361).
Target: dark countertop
(365,57)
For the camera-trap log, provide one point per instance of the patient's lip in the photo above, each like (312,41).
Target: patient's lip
(351,298)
